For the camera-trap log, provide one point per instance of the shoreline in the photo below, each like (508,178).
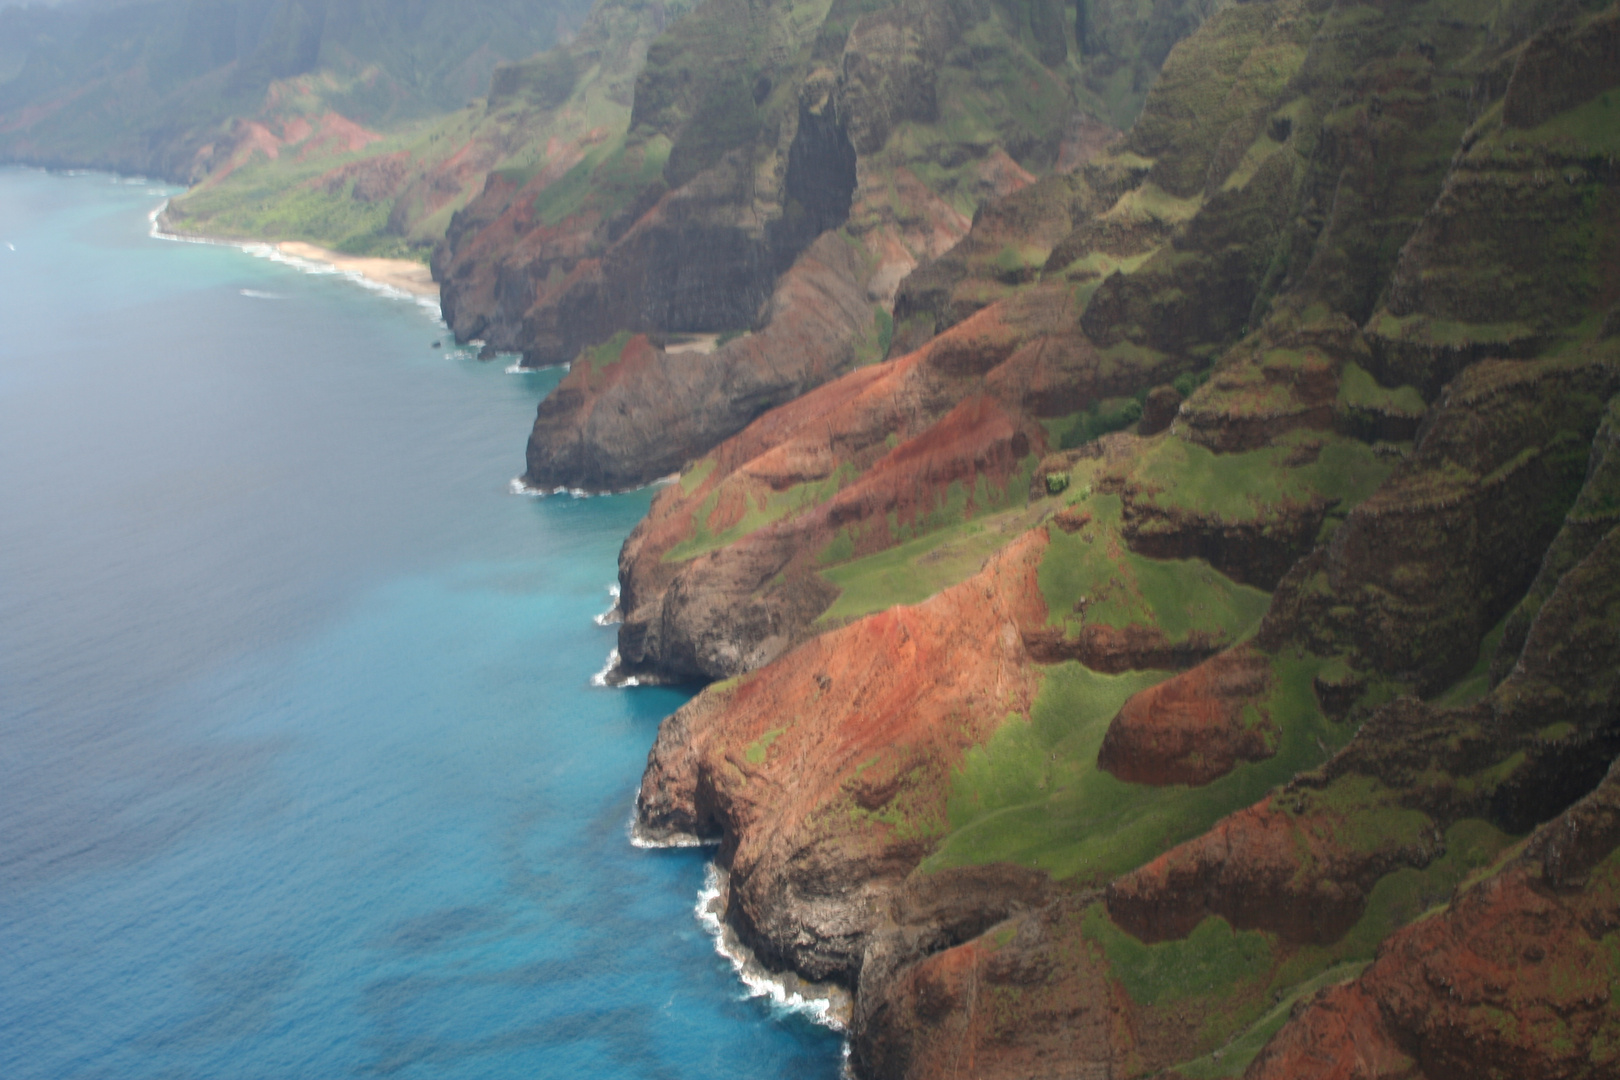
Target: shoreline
(414,279)
(402,274)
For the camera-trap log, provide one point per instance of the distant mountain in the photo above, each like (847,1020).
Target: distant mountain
(152,86)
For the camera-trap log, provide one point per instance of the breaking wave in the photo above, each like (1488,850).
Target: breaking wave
(830,1006)
(610,674)
(612,614)
(308,266)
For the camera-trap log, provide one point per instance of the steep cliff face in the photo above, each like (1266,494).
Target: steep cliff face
(1064,372)
(1261,695)
(756,129)
(590,431)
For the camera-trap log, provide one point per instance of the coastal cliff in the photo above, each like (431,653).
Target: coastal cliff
(756,129)
(1145,494)
(1194,650)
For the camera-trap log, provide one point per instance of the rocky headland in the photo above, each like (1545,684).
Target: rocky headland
(1195,649)
(1147,500)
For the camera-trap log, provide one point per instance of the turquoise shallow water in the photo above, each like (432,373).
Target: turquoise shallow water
(301,770)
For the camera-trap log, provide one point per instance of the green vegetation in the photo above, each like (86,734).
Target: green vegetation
(1358,390)
(1092,571)
(395,197)
(954,506)
(314,197)
(1188,381)
(761,509)
(1428,330)
(1034,794)
(1243,486)
(607,353)
(693,478)
(726,117)
(1236,1055)
(1102,417)
(1357,813)
(760,747)
(1212,959)
(605,181)
(873,345)
(911,813)
(911,572)
(1250,980)
(1588,130)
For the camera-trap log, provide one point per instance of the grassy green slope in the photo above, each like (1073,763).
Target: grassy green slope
(395,196)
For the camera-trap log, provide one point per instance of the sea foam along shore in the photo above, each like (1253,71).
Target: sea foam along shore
(394,277)
(826,1004)
(401,274)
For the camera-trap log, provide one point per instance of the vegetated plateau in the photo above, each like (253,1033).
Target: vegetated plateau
(1149,478)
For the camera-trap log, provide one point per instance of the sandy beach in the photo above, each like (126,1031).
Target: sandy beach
(403,274)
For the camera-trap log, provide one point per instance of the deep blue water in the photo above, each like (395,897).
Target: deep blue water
(301,770)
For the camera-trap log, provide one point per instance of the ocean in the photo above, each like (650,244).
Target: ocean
(302,772)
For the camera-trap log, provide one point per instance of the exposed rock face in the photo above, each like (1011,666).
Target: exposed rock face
(1253,843)
(1595,513)
(1300,869)
(885,123)
(1192,729)
(1526,945)
(1568,65)
(940,1015)
(592,431)
(825,774)
(1447,547)
(709,616)
(1159,410)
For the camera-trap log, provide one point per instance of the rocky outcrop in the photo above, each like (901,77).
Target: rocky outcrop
(885,123)
(1512,979)
(1195,727)
(1298,873)
(1444,550)
(1314,826)
(825,774)
(1475,280)
(868,461)
(597,429)
(1595,513)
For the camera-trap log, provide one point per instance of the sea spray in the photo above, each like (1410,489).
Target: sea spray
(612,674)
(825,1003)
(520,486)
(612,614)
(663,839)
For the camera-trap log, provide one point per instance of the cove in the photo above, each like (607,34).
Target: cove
(301,770)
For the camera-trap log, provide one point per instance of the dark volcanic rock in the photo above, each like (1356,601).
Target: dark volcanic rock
(1159,410)
(650,412)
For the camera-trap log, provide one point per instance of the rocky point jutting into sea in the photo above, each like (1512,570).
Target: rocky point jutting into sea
(1145,523)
